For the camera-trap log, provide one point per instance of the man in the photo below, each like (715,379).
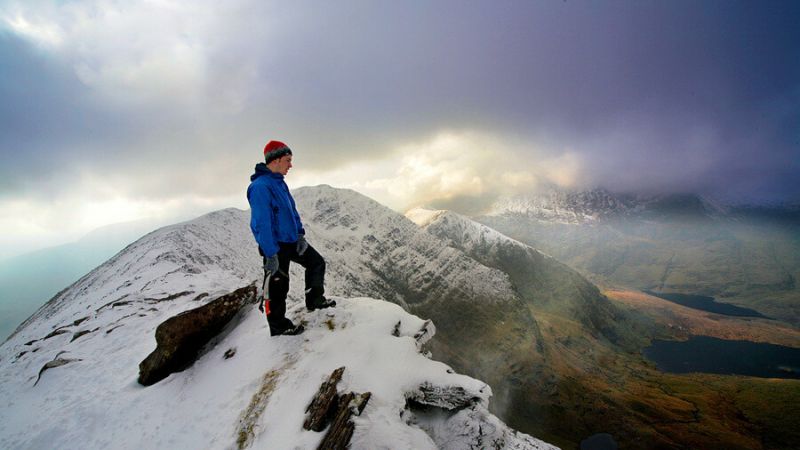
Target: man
(280,236)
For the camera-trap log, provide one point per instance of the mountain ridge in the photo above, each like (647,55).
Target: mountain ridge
(100,327)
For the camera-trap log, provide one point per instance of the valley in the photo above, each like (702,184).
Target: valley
(592,386)
(588,374)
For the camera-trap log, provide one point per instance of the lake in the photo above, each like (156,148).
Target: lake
(705,303)
(711,355)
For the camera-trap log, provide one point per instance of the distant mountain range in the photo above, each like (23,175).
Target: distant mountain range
(746,255)
(556,205)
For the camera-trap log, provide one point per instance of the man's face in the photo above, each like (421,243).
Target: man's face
(283,164)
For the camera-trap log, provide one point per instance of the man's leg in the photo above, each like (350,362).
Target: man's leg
(314,264)
(278,289)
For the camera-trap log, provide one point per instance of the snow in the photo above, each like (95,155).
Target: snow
(97,403)
(465,234)
(260,394)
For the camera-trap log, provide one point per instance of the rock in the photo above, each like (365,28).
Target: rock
(56,333)
(328,406)
(180,338)
(341,431)
(321,407)
(80,333)
(447,397)
(56,362)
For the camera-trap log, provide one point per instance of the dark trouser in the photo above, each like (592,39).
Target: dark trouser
(279,283)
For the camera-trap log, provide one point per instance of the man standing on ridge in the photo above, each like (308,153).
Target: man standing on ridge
(280,236)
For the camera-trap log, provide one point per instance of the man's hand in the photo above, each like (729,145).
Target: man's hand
(302,245)
(271,264)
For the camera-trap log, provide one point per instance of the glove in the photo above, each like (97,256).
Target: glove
(302,245)
(271,264)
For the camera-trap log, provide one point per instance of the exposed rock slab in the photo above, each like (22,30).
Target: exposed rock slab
(180,338)
(328,406)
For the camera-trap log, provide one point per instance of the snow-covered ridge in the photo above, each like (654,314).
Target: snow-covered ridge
(563,206)
(370,249)
(104,326)
(208,255)
(471,234)
(579,207)
(257,397)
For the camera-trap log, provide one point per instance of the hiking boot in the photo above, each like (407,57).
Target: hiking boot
(315,299)
(288,329)
(320,303)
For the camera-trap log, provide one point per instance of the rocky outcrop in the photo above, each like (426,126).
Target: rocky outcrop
(56,362)
(330,407)
(181,338)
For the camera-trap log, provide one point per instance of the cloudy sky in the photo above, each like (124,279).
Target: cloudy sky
(122,110)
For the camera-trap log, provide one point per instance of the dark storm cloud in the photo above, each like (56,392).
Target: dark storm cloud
(651,95)
(639,89)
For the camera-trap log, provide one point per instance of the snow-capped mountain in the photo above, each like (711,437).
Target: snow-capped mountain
(374,251)
(672,243)
(68,374)
(563,206)
(556,205)
(535,275)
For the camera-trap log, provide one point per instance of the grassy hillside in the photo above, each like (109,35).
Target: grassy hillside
(746,263)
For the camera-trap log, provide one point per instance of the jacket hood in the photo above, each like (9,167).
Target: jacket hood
(261,170)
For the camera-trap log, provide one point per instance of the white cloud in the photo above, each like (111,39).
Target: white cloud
(138,52)
(91,203)
(448,165)
(43,33)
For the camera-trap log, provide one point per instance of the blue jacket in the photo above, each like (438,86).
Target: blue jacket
(273,214)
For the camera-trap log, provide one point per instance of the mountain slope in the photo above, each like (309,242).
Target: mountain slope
(99,329)
(22,287)
(540,279)
(374,251)
(679,243)
(581,332)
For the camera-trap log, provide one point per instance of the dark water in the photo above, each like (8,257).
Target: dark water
(704,303)
(601,441)
(711,355)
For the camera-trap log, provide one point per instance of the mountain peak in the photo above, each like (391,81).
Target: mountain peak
(93,335)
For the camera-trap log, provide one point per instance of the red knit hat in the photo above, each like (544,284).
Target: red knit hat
(274,150)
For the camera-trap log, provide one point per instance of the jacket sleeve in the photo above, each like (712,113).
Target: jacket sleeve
(261,218)
(300,229)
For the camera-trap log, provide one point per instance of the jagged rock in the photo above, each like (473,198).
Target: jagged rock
(180,338)
(55,333)
(170,297)
(396,330)
(341,431)
(80,333)
(473,428)
(425,333)
(56,362)
(321,407)
(445,397)
(327,406)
